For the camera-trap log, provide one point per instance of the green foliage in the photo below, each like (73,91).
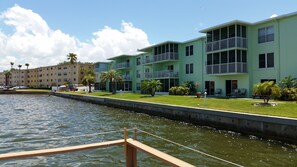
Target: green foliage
(267,90)
(179,90)
(112,76)
(89,79)
(288,89)
(192,87)
(72,57)
(151,86)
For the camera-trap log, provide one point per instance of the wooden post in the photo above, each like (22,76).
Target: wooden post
(131,156)
(135,133)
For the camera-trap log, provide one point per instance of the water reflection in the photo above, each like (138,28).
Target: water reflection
(27,120)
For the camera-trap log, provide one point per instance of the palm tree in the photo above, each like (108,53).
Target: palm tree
(19,73)
(11,64)
(151,86)
(72,57)
(7,75)
(112,76)
(27,65)
(267,90)
(89,79)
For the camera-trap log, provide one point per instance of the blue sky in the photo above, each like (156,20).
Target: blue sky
(43,32)
(161,19)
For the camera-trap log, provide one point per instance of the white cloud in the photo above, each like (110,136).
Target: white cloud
(34,42)
(274,15)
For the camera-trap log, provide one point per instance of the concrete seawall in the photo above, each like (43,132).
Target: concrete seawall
(279,128)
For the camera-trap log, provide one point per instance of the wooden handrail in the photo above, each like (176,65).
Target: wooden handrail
(25,154)
(168,159)
(131,152)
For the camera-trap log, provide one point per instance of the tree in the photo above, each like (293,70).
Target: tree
(151,86)
(267,90)
(288,87)
(288,82)
(7,75)
(20,66)
(11,64)
(113,77)
(89,79)
(72,57)
(27,65)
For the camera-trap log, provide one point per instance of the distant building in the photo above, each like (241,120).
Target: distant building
(47,76)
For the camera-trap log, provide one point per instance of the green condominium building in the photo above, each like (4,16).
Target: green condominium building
(228,61)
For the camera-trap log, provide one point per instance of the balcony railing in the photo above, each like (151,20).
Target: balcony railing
(226,43)
(122,65)
(227,68)
(169,56)
(126,77)
(161,74)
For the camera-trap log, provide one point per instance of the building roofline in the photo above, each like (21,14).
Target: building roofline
(158,44)
(275,18)
(123,55)
(224,24)
(194,39)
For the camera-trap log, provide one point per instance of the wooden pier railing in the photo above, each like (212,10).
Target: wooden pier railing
(131,147)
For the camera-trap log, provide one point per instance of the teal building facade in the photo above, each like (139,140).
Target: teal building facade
(227,61)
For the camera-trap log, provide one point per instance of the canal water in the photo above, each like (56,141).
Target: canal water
(29,122)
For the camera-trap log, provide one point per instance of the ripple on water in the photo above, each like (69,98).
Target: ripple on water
(27,119)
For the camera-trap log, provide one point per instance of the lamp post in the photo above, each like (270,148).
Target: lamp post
(205,93)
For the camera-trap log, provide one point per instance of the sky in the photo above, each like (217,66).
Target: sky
(43,32)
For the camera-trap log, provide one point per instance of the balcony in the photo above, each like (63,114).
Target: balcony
(126,77)
(121,65)
(227,68)
(238,42)
(161,74)
(169,56)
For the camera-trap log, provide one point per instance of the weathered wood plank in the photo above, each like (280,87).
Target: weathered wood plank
(44,152)
(168,159)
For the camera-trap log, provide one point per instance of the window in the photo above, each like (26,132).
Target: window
(138,86)
(65,73)
(189,68)
(170,67)
(59,68)
(209,59)
(266,60)
(65,67)
(138,74)
(270,60)
(264,80)
(266,34)
(138,61)
(189,50)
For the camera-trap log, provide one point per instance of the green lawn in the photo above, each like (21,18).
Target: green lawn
(285,109)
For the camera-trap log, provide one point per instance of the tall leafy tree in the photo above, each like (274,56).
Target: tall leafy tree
(151,86)
(72,57)
(113,77)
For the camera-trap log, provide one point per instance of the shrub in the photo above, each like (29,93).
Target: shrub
(179,90)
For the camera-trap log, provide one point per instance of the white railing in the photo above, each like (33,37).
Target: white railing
(226,43)
(225,68)
(126,77)
(161,74)
(122,65)
(161,57)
